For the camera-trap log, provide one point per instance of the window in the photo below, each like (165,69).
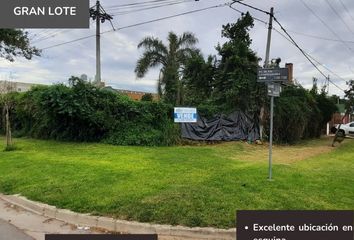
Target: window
(351,125)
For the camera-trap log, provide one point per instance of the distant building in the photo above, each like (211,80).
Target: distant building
(17,86)
(135,95)
(24,87)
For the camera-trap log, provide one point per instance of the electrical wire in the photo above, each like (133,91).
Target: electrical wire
(139,24)
(146,8)
(136,3)
(326,25)
(303,52)
(339,16)
(308,56)
(346,9)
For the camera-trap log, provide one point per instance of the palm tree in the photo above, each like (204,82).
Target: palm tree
(171,58)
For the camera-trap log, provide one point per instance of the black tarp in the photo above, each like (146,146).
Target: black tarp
(236,126)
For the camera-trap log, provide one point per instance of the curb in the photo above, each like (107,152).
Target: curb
(114,225)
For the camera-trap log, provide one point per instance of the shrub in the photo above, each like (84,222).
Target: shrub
(83,112)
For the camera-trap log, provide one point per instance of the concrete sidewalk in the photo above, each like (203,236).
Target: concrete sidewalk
(18,224)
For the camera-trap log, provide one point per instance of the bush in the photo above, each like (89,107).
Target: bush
(83,112)
(297,115)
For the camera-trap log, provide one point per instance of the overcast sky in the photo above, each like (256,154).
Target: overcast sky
(327,34)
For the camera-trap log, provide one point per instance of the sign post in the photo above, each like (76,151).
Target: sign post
(273,77)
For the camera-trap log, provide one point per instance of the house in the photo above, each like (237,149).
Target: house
(24,87)
(339,117)
(135,95)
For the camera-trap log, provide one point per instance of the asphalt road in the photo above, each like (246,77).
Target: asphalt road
(10,232)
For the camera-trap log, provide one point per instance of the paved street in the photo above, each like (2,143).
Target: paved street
(8,231)
(19,224)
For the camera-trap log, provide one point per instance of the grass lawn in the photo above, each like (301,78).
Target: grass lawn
(187,185)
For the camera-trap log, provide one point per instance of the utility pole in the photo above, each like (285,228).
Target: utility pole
(98,14)
(98,45)
(266,64)
(270,28)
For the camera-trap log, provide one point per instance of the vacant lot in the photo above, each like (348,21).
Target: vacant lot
(188,185)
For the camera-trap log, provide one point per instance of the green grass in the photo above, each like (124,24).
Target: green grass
(187,185)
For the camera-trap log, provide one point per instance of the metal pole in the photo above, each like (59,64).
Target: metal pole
(271,136)
(98,44)
(266,64)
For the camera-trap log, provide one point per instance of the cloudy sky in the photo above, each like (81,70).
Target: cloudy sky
(323,28)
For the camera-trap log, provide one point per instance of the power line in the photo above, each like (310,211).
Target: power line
(346,9)
(72,41)
(292,41)
(319,37)
(314,59)
(303,52)
(339,16)
(326,25)
(173,16)
(147,8)
(298,33)
(141,23)
(255,8)
(262,21)
(136,4)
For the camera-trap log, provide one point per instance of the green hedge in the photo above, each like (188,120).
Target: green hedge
(82,112)
(298,114)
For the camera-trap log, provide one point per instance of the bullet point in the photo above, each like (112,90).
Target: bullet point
(246,227)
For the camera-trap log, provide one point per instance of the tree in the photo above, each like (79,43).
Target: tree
(171,58)
(15,42)
(326,104)
(5,99)
(235,84)
(198,79)
(147,97)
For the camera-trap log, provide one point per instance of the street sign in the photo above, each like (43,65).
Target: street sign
(185,115)
(274,89)
(272,75)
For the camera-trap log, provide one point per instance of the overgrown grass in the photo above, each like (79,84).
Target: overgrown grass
(187,185)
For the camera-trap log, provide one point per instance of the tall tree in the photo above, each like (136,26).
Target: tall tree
(235,84)
(14,43)
(171,58)
(198,79)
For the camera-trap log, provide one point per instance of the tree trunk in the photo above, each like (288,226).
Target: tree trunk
(8,126)
(261,121)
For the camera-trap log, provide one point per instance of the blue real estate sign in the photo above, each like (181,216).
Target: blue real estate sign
(185,115)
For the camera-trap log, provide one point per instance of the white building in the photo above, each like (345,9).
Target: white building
(17,86)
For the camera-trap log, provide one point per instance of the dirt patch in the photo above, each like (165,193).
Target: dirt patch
(286,154)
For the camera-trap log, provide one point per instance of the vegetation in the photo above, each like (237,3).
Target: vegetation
(301,114)
(83,112)
(236,75)
(171,58)
(192,186)
(15,42)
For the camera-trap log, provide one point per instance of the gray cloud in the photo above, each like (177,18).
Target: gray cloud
(119,51)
